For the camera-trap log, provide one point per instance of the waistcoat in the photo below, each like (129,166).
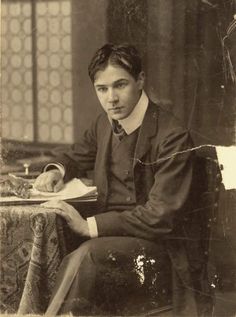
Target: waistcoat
(121,191)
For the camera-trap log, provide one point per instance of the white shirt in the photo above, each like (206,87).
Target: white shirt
(129,124)
(135,118)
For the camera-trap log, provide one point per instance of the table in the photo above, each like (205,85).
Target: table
(33,242)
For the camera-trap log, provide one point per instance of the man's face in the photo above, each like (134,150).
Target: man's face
(118,91)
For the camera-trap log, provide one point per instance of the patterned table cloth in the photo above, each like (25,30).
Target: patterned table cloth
(32,245)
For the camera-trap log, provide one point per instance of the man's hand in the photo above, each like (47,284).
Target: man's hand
(71,215)
(50,181)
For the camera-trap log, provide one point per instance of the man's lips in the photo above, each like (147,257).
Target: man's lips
(115,108)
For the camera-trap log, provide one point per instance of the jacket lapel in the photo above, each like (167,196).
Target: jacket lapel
(147,131)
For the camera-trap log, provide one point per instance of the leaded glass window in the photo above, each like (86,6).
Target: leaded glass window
(36,71)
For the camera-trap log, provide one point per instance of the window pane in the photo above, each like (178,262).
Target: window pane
(54,71)
(17,119)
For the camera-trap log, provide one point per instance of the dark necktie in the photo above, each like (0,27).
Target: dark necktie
(117,129)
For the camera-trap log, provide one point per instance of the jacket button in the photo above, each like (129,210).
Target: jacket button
(128,198)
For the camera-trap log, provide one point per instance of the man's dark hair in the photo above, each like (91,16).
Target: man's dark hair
(125,56)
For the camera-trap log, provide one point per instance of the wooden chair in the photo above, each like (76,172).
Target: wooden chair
(207,185)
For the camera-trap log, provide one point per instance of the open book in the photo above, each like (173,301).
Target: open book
(75,189)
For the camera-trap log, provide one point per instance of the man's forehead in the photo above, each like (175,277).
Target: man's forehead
(111,74)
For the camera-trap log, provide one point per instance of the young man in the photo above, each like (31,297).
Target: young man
(143,175)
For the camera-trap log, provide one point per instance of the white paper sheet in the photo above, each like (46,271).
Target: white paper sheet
(227,157)
(73,189)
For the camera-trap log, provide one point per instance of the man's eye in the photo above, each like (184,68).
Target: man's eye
(102,89)
(121,85)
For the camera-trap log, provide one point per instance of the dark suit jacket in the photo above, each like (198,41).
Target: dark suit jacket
(162,179)
(163,182)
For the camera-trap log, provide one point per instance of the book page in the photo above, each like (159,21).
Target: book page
(73,189)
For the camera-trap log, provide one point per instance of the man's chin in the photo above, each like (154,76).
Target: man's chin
(118,116)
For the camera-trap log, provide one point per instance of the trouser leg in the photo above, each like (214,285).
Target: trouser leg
(110,275)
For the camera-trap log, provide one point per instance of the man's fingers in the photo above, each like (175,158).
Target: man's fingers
(63,214)
(48,181)
(52,204)
(58,186)
(38,184)
(43,183)
(49,187)
(57,204)
(60,208)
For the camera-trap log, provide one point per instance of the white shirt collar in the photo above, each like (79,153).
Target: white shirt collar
(135,119)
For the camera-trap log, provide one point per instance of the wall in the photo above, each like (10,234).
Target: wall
(180,42)
(88,34)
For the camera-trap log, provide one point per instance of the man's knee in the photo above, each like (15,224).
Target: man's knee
(94,254)
(75,259)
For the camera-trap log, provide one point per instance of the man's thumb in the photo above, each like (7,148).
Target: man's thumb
(58,186)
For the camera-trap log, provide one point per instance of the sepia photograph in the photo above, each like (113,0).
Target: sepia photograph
(118,158)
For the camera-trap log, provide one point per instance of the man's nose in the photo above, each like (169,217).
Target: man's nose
(112,96)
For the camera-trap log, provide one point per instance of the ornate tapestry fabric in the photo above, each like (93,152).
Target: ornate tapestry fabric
(32,247)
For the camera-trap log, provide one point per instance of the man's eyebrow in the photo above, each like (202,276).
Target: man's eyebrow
(120,80)
(114,83)
(100,85)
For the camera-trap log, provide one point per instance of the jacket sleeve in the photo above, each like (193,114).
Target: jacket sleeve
(80,157)
(167,197)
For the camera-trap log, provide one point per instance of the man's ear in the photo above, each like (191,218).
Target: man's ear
(141,79)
